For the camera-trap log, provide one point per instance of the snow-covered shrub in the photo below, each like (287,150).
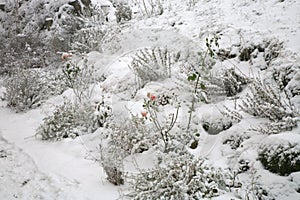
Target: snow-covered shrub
(23,52)
(26,89)
(233,82)
(183,177)
(72,119)
(281,157)
(123,12)
(87,39)
(79,77)
(286,124)
(272,50)
(112,163)
(152,65)
(287,78)
(152,113)
(264,101)
(150,8)
(133,136)
(235,140)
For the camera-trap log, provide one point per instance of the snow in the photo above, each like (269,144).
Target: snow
(66,169)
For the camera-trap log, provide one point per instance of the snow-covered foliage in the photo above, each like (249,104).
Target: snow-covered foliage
(183,177)
(123,12)
(28,88)
(73,119)
(281,157)
(264,101)
(112,162)
(195,92)
(152,65)
(133,136)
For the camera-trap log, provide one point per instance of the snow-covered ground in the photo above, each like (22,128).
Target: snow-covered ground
(34,169)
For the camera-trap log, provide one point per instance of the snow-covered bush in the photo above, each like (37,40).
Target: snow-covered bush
(123,12)
(112,163)
(152,113)
(79,76)
(183,177)
(264,101)
(152,65)
(233,82)
(72,119)
(272,50)
(149,8)
(235,140)
(286,124)
(133,136)
(23,52)
(287,78)
(26,89)
(281,157)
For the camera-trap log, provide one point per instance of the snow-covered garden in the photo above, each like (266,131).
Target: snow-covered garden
(150,99)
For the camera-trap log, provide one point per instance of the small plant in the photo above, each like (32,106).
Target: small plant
(264,101)
(133,136)
(150,8)
(152,65)
(235,140)
(26,89)
(281,157)
(233,82)
(151,106)
(79,77)
(183,177)
(112,163)
(72,119)
(197,77)
(87,39)
(123,12)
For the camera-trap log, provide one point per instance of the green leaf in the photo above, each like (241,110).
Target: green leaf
(192,77)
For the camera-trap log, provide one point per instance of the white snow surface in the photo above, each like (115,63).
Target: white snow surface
(35,169)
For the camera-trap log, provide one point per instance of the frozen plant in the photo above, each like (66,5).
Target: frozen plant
(264,101)
(79,77)
(150,8)
(235,140)
(23,51)
(151,107)
(152,65)
(233,82)
(27,88)
(183,177)
(282,157)
(112,163)
(197,77)
(133,136)
(73,119)
(286,124)
(123,12)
